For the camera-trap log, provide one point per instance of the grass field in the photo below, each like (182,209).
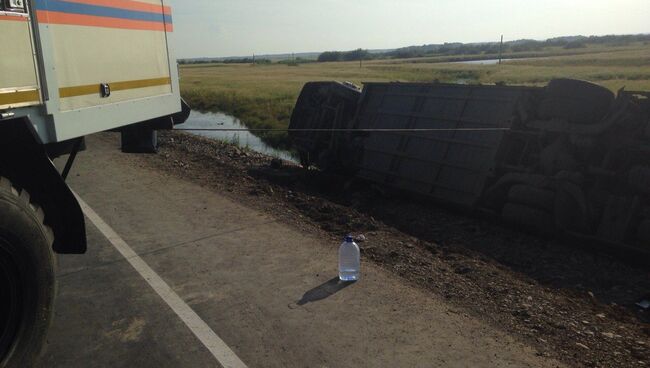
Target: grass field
(263,96)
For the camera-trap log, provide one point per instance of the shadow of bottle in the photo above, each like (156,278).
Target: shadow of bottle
(324,291)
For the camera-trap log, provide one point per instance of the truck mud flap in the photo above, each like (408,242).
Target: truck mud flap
(139,139)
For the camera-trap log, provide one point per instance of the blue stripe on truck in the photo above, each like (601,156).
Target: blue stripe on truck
(101,11)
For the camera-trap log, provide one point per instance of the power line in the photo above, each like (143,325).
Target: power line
(335,130)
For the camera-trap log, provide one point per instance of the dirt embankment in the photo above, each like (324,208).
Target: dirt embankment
(569,303)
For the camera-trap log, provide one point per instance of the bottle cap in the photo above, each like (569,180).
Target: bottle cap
(349,239)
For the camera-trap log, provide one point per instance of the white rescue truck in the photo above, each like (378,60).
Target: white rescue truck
(68,68)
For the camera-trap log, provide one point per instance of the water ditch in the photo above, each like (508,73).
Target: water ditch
(244,138)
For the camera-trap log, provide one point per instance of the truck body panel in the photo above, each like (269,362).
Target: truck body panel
(19,85)
(101,64)
(449,165)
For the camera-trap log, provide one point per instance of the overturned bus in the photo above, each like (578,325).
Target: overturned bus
(571,158)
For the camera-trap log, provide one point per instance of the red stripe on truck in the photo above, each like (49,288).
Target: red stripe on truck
(51,17)
(15,18)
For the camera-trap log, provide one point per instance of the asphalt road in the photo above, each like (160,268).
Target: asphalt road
(265,291)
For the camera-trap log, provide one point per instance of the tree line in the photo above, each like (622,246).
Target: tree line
(354,55)
(225,61)
(488,48)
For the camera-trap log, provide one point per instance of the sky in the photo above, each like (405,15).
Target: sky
(218,28)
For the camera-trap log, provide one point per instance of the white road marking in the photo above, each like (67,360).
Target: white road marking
(222,353)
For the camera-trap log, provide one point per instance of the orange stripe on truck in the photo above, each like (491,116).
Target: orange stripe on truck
(15,18)
(19,97)
(93,89)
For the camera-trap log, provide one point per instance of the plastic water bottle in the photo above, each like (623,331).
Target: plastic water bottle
(349,260)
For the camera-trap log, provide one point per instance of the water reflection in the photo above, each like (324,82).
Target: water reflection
(211,120)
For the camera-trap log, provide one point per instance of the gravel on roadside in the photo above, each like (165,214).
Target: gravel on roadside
(569,303)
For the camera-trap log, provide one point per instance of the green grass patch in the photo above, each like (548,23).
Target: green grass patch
(254,112)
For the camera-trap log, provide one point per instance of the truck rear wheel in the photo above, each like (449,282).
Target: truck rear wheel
(575,100)
(531,196)
(27,282)
(529,218)
(644,231)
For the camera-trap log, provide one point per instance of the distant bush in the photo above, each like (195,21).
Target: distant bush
(190,62)
(296,62)
(528,46)
(226,61)
(575,45)
(408,53)
(358,54)
(247,61)
(330,56)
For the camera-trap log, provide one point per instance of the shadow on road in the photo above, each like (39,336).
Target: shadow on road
(324,291)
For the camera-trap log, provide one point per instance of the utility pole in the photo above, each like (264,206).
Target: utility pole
(501,50)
